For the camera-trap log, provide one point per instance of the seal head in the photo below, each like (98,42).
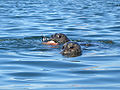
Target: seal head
(59,38)
(71,49)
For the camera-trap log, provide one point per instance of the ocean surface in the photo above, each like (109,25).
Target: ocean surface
(27,64)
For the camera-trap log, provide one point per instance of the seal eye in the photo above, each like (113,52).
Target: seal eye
(71,47)
(59,36)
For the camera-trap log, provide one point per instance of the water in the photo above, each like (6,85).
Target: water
(26,64)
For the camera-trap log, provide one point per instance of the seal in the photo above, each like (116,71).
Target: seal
(71,49)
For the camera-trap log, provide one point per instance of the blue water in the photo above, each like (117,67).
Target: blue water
(26,64)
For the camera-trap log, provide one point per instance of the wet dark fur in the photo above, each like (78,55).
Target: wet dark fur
(70,49)
(59,38)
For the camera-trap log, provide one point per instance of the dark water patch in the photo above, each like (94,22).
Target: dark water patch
(117,22)
(29,55)
(99,14)
(50,64)
(4,48)
(103,58)
(95,72)
(34,37)
(55,19)
(29,74)
(72,29)
(41,49)
(23,17)
(114,28)
(19,42)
